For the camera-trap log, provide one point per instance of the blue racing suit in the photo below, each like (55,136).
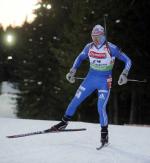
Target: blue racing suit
(101,59)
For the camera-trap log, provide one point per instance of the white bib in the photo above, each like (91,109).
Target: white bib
(100,59)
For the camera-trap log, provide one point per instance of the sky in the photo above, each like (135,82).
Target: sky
(16,12)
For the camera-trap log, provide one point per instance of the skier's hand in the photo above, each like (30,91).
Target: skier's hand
(70,76)
(123,77)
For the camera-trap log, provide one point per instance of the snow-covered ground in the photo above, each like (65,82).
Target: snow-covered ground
(7,100)
(127,144)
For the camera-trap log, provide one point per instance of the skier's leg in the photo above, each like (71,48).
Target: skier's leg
(85,89)
(103,96)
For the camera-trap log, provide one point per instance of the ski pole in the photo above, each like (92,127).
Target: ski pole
(79,78)
(140,81)
(129,80)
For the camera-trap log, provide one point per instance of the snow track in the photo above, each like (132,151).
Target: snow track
(127,144)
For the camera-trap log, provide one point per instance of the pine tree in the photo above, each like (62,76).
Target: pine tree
(39,70)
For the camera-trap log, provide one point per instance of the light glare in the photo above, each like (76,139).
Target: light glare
(9,38)
(9,57)
(49,6)
(118,21)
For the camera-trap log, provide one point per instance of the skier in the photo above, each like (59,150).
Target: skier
(102,56)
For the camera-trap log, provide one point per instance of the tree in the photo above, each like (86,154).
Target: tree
(39,69)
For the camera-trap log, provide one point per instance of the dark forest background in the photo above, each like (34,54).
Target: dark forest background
(45,50)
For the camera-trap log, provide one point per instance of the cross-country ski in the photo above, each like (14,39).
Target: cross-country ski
(44,132)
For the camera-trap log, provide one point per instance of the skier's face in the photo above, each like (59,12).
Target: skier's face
(96,39)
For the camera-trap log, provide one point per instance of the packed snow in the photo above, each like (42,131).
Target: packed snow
(128,144)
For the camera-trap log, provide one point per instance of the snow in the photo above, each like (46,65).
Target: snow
(128,144)
(8,100)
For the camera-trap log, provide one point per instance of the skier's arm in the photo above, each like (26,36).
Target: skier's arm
(82,56)
(123,57)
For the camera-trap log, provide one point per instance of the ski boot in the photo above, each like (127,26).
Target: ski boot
(104,135)
(61,125)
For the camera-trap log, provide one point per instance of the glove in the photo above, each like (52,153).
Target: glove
(123,77)
(70,76)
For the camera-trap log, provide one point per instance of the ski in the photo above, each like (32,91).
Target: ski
(44,132)
(102,146)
